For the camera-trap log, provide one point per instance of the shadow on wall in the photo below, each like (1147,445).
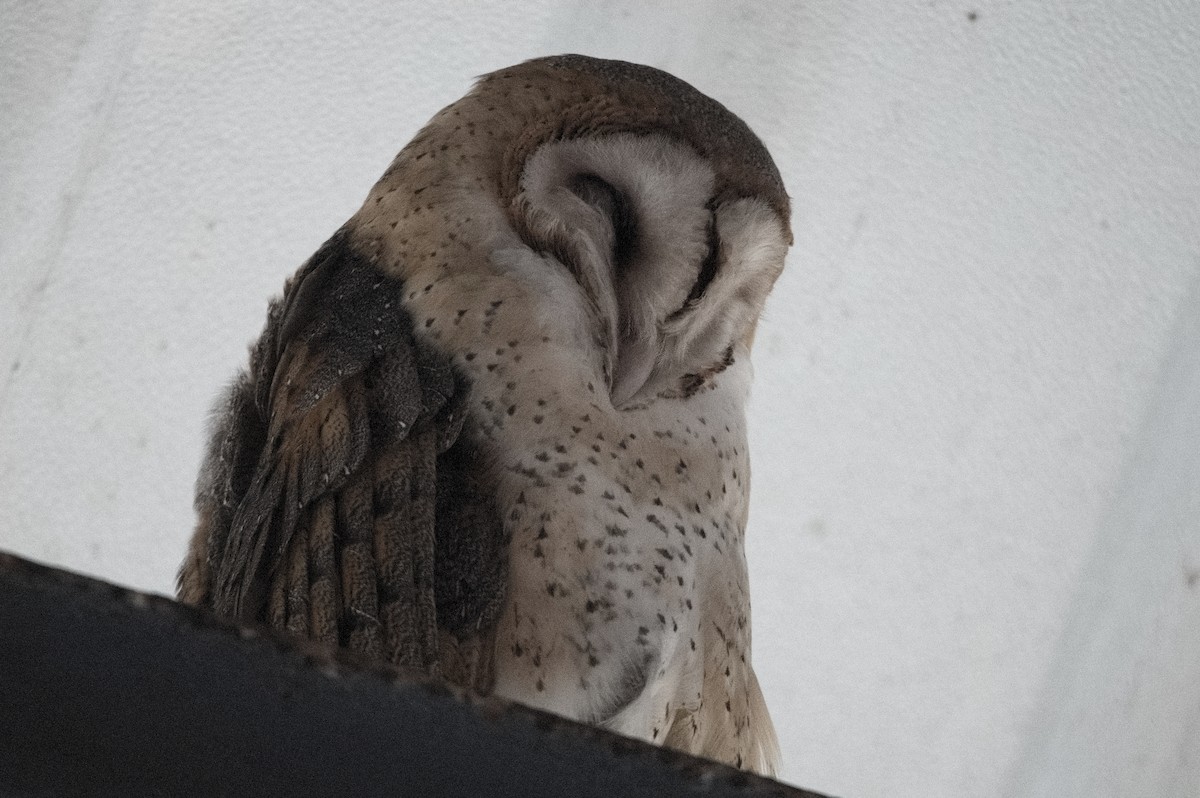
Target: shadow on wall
(1135,623)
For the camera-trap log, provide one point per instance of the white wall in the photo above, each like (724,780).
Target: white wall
(975,538)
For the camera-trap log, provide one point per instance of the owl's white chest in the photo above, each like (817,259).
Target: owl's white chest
(628,582)
(628,603)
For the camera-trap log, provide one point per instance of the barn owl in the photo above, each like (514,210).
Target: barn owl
(494,428)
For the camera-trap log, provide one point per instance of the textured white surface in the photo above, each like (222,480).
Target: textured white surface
(975,539)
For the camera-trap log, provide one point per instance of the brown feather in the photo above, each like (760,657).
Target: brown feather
(317,505)
(296,596)
(322,570)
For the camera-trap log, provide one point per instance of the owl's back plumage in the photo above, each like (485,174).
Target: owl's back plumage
(495,427)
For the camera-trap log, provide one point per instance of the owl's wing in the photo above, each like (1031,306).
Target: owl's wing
(337,501)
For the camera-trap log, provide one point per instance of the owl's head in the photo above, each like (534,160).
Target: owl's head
(663,205)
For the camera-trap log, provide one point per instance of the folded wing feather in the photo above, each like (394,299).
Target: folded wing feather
(339,499)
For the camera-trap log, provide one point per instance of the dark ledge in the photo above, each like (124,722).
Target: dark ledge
(105,691)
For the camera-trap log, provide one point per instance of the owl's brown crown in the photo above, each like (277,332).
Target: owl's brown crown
(594,97)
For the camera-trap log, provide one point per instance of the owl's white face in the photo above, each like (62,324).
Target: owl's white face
(674,278)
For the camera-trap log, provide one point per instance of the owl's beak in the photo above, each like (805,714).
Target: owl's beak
(636,355)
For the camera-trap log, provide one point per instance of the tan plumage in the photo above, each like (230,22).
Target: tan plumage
(494,427)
